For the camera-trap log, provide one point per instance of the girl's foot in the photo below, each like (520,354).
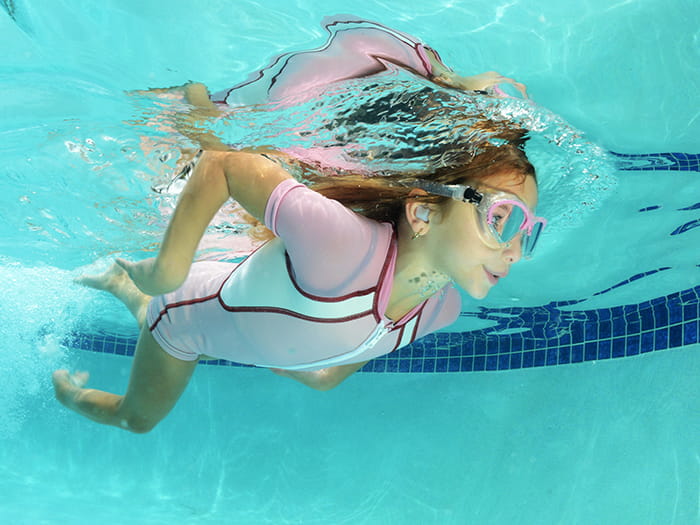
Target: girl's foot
(113,280)
(117,282)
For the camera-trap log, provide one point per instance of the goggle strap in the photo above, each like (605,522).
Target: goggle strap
(457,192)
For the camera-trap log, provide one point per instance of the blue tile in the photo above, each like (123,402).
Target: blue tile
(647,319)
(454,364)
(690,333)
(469,350)
(404,365)
(577,335)
(392,365)
(577,354)
(441,365)
(689,296)
(619,326)
(645,306)
(675,336)
(675,312)
(516,343)
(416,366)
(466,364)
(661,339)
(552,357)
(647,344)
(591,331)
(631,311)
(564,340)
(564,355)
(516,360)
(379,365)
(492,346)
(605,329)
(605,349)
(618,348)
(690,311)
(504,345)
(633,345)
(479,363)
(492,362)
(634,327)
(428,365)
(661,315)
(404,352)
(504,362)
(539,357)
(442,338)
(591,351)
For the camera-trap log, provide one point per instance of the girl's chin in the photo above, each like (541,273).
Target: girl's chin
(477,292)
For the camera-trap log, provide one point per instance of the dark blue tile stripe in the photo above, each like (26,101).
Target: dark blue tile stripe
(657,161)
(521,337)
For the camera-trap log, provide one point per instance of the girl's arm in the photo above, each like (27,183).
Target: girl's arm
(444,76)
(247,177)
(324,379)
(192,123)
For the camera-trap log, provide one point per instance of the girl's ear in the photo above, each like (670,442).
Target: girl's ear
(418,213)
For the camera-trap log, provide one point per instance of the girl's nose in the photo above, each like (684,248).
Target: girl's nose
(512,252)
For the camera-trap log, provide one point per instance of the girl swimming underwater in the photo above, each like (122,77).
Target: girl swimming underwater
(359,267)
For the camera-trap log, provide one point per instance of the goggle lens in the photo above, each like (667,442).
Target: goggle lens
(530,241)
(507,219)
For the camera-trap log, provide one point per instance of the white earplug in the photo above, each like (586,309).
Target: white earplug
(423,213)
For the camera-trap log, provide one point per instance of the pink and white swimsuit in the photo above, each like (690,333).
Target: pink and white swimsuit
(313,297)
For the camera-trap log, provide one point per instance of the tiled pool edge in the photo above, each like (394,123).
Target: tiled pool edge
(657,161)
(521,337)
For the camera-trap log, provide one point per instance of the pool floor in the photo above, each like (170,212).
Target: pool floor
(609,442)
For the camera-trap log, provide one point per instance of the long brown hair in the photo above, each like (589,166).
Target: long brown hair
(382,197)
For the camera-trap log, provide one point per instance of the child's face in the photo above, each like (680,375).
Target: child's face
(460,249)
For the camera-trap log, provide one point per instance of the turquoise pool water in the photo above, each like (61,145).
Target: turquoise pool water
(604,441)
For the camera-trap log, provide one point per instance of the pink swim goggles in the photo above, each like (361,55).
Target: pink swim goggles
(502,215)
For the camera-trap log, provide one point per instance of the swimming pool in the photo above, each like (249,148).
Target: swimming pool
(603,441)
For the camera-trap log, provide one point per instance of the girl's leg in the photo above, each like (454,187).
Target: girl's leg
(156,383)
(117,282)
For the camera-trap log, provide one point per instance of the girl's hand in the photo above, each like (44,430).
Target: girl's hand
(488,81)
